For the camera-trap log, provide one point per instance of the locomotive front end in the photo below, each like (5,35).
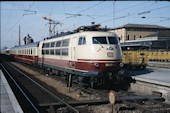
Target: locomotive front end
(101,56)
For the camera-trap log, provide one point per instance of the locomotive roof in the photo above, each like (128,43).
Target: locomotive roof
(35,44)
(82,29)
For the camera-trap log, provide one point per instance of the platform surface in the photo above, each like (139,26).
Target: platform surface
(9,103)
(152,74)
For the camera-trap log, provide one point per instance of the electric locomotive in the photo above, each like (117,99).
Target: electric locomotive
(91,54)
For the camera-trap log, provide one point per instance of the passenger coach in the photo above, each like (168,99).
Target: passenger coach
(26,53)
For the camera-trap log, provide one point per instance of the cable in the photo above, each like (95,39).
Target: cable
(133,14)
(90,7)
(17,21)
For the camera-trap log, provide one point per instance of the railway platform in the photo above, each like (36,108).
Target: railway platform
(153,81)
(9,103)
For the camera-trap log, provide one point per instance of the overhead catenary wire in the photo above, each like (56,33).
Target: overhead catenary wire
(133,14)
(108,14)
(17,21)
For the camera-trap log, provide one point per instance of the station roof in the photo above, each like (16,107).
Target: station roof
(160,34)
(141,26)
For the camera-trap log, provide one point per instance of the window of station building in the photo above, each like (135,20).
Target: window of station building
(134,37)
(52,52)
(57,51)
(127,37)
(66,42)
(82,41)
(52,44)
(65,52)
(140,36)
(58,43)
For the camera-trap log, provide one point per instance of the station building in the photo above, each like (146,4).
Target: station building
(153,36)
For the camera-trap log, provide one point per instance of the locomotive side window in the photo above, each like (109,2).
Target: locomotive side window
(57,52)
(82,41)
(99,40)
(46,45)
(52,44)
(58,44)
(47,52)
(65,51)
(113,40)
(65,42)
(52,52)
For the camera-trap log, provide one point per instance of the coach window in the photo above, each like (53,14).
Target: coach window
(58,44)
(52,44)
(82,41)
(65,42)
(31,51)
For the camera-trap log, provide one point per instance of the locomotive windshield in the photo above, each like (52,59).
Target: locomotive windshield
(105,40)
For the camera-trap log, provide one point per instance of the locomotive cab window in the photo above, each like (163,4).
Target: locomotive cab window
(99,40)
(113,40)
(82,41)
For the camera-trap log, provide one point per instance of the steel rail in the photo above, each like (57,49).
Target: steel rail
(69,106)
(21,90)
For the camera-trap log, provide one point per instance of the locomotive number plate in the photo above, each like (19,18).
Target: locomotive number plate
(110,54)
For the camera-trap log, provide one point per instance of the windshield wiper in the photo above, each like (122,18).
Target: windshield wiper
(98,42)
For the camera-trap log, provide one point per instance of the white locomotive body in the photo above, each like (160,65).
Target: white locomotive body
(88,53)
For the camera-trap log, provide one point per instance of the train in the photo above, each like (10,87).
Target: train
(90,55)
(136,56)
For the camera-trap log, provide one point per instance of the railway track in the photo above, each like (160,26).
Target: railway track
(125,101)
(31,90)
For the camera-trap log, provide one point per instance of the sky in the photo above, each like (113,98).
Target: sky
(73,14)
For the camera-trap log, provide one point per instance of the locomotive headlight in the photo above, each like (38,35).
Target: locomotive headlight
(97,65)
(121,64)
